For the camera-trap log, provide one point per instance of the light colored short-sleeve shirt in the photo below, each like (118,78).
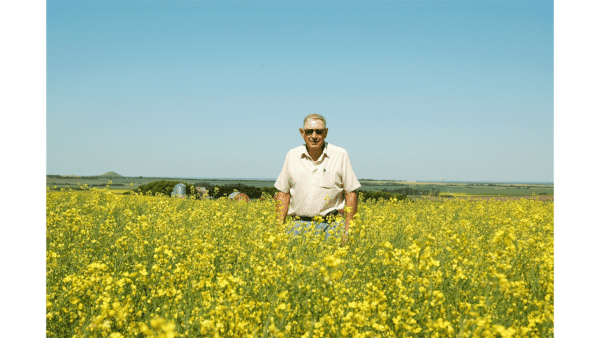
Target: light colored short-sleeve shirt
(316,188)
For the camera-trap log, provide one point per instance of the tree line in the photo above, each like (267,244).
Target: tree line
(217,191)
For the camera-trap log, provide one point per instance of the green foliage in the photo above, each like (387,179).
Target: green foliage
(216,191)
(207,185)
(269,191)
(226,190)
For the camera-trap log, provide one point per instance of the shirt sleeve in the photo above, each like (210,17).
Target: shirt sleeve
(283,183)
(349,180)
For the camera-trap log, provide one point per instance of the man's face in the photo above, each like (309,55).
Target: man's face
(314,140)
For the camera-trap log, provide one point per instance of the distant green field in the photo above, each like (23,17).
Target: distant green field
(456,189)
(465,189)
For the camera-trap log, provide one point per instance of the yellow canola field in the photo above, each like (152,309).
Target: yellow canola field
(141,266)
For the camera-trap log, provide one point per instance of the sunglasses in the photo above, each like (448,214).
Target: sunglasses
(310,131)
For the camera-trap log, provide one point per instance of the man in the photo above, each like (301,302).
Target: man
(317,179)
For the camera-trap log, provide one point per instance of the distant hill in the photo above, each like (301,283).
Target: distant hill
(110,174)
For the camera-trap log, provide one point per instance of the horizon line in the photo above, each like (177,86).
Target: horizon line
(274,179)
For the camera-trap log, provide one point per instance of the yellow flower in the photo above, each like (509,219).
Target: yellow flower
(332,261)
(152,266)
(337,275)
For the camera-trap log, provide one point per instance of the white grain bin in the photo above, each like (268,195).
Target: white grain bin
(178,191)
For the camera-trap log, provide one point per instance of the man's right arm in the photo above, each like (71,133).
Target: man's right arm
(282,200)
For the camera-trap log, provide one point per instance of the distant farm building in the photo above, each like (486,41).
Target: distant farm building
(179,191)
(202,193)
(239,196)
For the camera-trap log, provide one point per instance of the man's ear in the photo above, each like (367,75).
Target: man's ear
(301,132)
(325,132)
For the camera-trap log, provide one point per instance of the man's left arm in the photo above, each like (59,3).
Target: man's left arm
(352,204)
(350,183)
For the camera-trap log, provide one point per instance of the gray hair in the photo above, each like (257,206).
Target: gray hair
(315,117)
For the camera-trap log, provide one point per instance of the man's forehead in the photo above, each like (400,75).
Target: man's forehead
(314,124)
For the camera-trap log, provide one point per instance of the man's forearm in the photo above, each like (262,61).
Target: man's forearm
(352,204)
(282,204)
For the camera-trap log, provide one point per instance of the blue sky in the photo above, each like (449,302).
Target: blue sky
(460,90)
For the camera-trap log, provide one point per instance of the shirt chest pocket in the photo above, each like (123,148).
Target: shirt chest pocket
(327,180)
